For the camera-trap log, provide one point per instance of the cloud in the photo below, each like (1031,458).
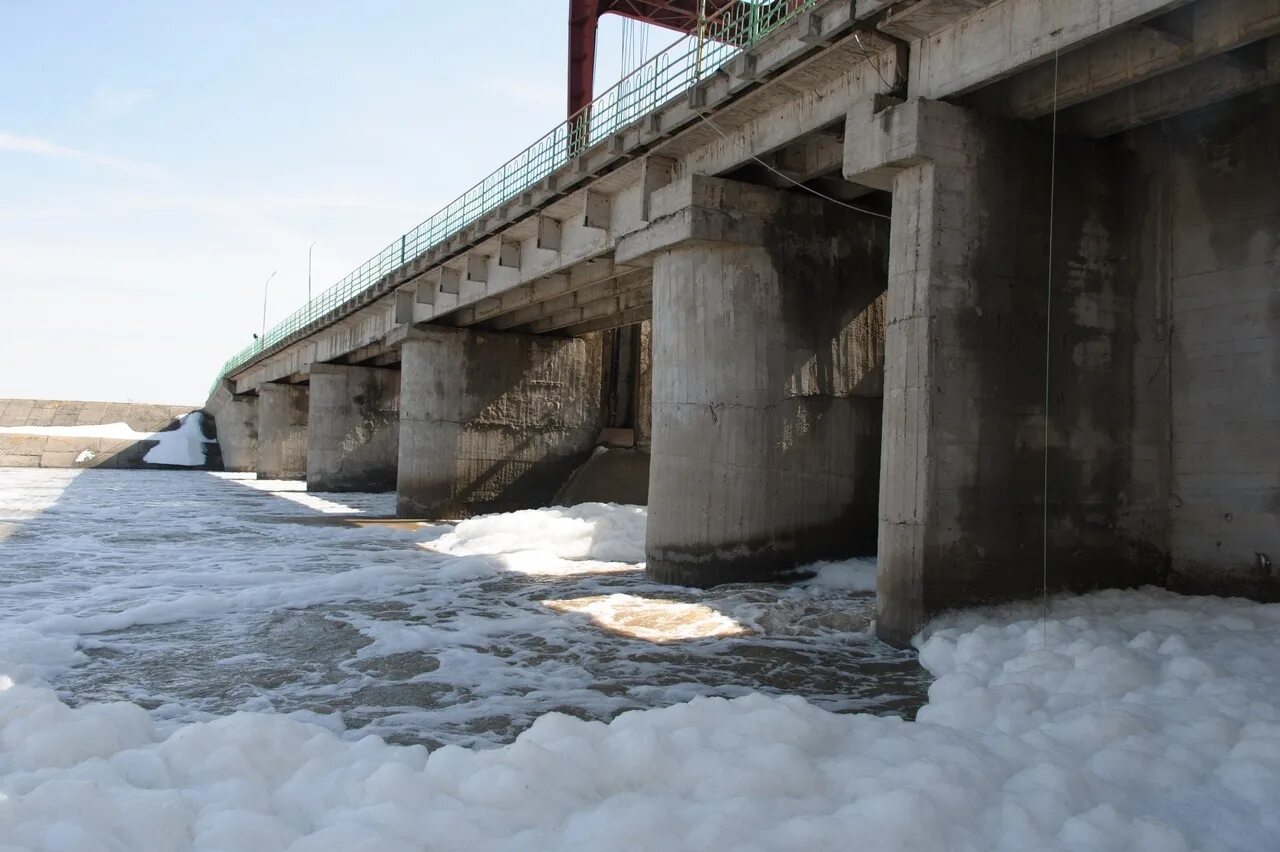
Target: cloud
(38,147)
(112,102)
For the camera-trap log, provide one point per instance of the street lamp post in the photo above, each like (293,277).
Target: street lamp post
(262,341)
(309,248)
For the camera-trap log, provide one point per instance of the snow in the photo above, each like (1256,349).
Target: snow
(1137,720)
(114,431)
(181,447)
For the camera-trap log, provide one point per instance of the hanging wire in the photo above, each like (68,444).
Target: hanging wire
(1048,316)
(870,60)
(792,180)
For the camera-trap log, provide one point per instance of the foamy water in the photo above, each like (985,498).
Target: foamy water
(197,595)
(256,649)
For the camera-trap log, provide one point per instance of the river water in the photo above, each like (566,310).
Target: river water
(196,595)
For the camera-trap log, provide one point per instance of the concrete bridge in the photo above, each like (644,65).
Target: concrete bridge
(833,289)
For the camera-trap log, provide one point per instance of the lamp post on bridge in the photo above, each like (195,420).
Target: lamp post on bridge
(309,248)
(262,341)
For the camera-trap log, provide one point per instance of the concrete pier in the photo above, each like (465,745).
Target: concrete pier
(822,288)
(962,507)
(236,420)
(492,421)
(282,431)
(767,330)
(353,428)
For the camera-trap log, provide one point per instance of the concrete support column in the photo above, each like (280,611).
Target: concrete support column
(491,421)
(235,418)
(282,431)
(765,380)
(961,505)
(353,428)
(644,389)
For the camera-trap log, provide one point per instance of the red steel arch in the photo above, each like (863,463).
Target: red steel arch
(584,15)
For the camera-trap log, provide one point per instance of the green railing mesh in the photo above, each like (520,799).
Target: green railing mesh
(667,75)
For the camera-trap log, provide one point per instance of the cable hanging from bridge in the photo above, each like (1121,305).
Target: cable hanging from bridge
(792,180)
(1048,318)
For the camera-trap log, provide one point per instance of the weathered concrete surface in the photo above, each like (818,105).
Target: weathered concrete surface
(767,332)
(282,431)
(19,450)
(353,428)
(1215,230)
(961,504)
(644,390)
(492,421)
(610,475)
(235,418)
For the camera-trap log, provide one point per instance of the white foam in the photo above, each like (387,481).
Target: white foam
(852,575)
(604,532)
(1125,721)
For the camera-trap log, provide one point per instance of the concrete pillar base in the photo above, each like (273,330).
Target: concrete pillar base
(961,505)
(767,329)
(492,422)
(353,428)
(235,418)
(282,431)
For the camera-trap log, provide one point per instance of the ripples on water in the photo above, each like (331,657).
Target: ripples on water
(197,595)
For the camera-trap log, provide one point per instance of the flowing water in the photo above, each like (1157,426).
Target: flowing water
(196,595)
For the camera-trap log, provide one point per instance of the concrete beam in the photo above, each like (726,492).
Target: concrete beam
(405,302)
(925,17)
(1008,36)
(589,311)
(425,292)
(548,237)
(449,280)
(1130,56)
(656,172)
(477,267)
(540,290)
(526,318)
(629,316)
(508,253)
(595,210)
(1190,87)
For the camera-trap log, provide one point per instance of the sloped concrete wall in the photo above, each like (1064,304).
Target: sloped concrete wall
(65,451)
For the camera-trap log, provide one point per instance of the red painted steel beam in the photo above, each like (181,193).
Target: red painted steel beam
(584,17)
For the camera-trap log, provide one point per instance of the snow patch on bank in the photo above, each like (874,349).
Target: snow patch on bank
(182,447)
(111,431)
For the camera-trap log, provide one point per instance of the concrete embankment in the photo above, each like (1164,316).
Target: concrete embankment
(69,433)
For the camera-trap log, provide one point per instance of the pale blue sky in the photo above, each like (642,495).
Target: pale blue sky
(158,160)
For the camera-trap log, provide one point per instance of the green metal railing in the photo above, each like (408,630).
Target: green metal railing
(667,75)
